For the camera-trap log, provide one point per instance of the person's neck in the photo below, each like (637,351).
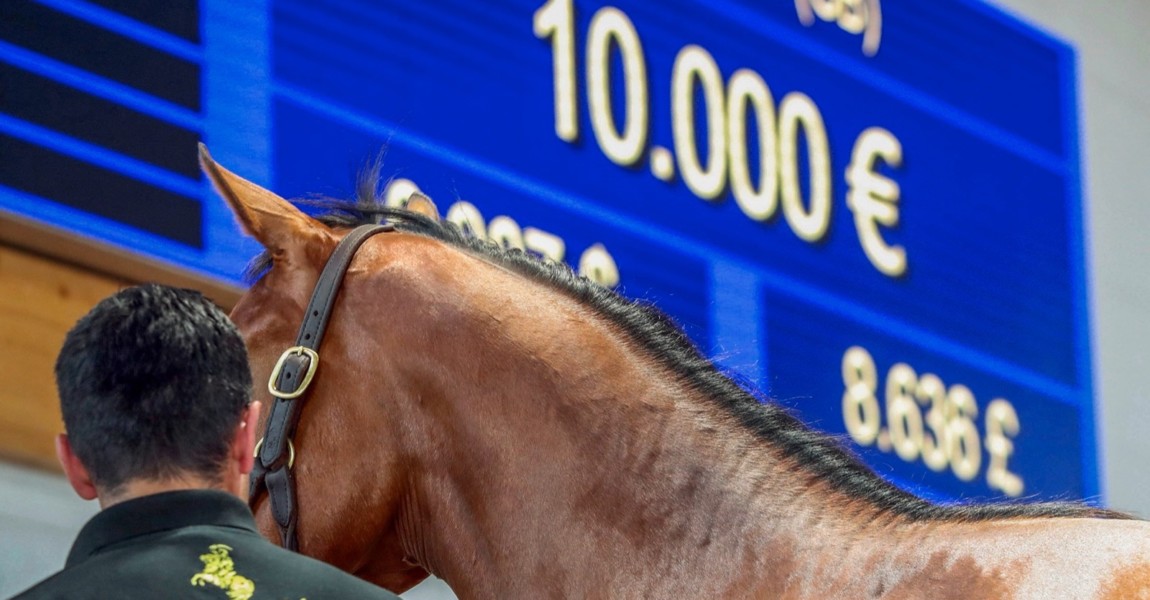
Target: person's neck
(138,488)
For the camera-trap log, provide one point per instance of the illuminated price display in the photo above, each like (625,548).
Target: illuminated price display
(849,202)
(946,435)
(726,112)
(940,425)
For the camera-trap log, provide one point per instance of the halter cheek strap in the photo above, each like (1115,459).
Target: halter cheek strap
(289,383)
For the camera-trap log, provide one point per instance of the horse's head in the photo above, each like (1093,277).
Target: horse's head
(351,480)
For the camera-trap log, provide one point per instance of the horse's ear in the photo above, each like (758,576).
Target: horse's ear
(273,221)
(423,205)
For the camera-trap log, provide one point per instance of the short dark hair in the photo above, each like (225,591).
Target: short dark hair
(152,383)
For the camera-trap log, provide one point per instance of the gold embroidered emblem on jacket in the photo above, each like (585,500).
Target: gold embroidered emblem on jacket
(220,571)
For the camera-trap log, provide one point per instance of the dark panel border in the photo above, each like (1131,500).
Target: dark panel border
(178,17)
(65,109)
(78,184)
(86,46)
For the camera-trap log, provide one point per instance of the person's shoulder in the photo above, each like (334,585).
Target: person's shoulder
(149,570)
(73,583)
(48,588)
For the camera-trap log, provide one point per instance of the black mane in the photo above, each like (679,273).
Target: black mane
(823,456)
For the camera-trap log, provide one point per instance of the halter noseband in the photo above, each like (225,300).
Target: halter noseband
(289,383)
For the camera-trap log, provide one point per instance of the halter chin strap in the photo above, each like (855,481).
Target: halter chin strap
(289,383)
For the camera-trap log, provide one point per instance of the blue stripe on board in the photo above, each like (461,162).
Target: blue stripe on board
(237,93)
(237,117)
(99,86)
(738,327)
(129,28)
(100,156)
(1077,221)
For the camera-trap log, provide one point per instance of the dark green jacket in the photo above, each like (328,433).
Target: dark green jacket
(190,544)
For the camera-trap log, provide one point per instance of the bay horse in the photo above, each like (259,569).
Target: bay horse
(522,432)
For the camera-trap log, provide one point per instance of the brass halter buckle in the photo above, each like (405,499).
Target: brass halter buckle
(291,452)
(312,364)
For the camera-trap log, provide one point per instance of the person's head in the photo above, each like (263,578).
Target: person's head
(155,392)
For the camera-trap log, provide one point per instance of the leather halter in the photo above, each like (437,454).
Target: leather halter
(288,384)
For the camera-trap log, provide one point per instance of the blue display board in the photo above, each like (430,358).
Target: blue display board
(869,208)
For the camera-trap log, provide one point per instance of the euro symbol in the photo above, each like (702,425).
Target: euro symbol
(873,198)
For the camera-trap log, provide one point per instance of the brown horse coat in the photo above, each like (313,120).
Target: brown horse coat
(523,433)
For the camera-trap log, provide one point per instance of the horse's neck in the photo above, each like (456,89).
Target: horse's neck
(596,475)
(559,461)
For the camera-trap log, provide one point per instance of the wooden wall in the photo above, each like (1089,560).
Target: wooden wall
(40,299)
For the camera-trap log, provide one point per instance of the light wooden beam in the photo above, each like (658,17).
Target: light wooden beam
(40,300)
